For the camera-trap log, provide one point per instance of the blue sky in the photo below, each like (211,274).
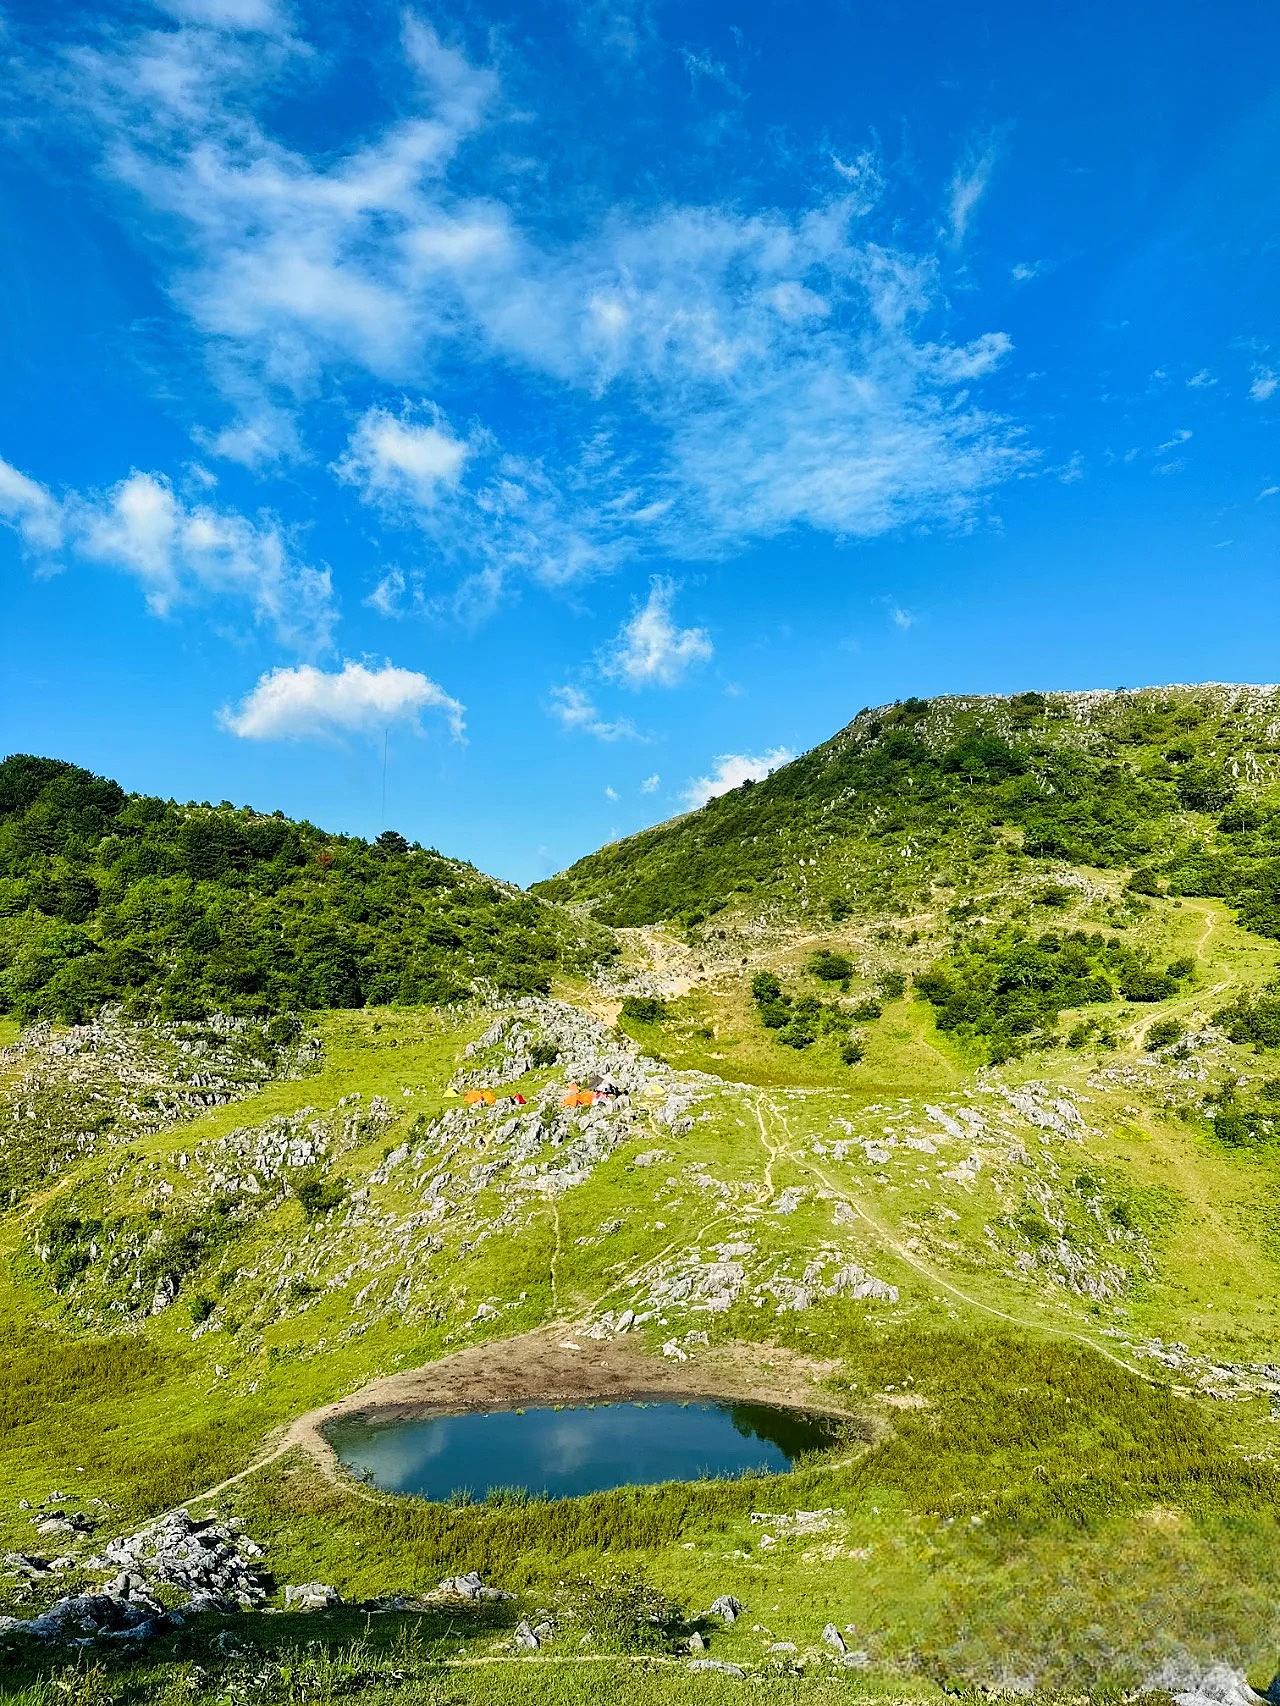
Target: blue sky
(554,413)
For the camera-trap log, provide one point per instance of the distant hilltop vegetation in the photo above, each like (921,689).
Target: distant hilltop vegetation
(182,909)
(1179,783)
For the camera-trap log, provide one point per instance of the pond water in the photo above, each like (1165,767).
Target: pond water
(563,1452)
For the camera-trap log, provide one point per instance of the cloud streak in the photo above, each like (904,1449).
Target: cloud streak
(766,370)
(576,711)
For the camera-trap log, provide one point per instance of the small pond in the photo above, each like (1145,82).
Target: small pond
(560,1453)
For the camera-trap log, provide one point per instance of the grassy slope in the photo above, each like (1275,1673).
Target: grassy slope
(1028,1453)
(951,789)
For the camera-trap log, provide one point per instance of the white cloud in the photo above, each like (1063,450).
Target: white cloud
(1179,437)
(1201,381)
(250,15)
(731,770)
(577,711)
(30,509)
(651,784)
(650,649)
(968,186)
(181,553)
(306,702)
(1265,384)
(901,618)
(762,370)
(1268,492)
(611,794)
(1023,271)
(396,457)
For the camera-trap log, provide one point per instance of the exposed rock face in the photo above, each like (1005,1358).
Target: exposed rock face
(726,1608)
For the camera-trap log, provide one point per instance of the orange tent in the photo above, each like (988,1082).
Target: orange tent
(474,1097)
(578,1098)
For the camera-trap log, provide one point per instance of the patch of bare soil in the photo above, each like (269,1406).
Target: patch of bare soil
(552,1366)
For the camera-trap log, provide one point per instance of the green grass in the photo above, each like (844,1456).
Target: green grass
(1008,1475)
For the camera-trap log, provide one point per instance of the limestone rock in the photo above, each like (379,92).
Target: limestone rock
(311,1596)
(727,1608)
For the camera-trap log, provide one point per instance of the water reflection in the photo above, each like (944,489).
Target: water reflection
(564,1452)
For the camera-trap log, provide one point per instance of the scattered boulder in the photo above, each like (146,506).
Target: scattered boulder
(311,1596)
(524,1638)
(831,1637)
(1216,1685)
(722,1665)
(213,1565)
(469,1587)
(727,1608)
(84,1618)
(228,1645)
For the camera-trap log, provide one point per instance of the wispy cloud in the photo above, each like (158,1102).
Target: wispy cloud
(398,458)
(901,618)
(254,16)
(731,770)
(178,551)
(577,711)
(30,509)
(1201,381)
(310,703)
(1265,384)
(765,370)
(650,649)
(651,784)
(967,188)
(1179,437)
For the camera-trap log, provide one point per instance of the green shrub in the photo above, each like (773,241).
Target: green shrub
(628,1614)
(830,967)
(317,1194)
(644,1009)
(1164,1032)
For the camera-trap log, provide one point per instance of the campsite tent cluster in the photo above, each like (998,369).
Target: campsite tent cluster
(585,1095)
(591,1090)
(490,1098)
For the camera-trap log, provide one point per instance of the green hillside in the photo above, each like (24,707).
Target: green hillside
(180,910)
(960,1118)
(1180,782)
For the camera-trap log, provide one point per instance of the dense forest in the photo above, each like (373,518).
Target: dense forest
(177,910)
(1178,784)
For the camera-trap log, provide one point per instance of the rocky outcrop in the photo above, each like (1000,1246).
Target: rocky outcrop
(213,1565)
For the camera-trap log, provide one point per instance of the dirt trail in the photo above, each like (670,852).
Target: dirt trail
(934,1278)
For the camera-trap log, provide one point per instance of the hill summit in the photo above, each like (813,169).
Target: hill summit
(1179,782)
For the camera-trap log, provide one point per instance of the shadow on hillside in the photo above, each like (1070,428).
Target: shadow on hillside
(270,1655)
